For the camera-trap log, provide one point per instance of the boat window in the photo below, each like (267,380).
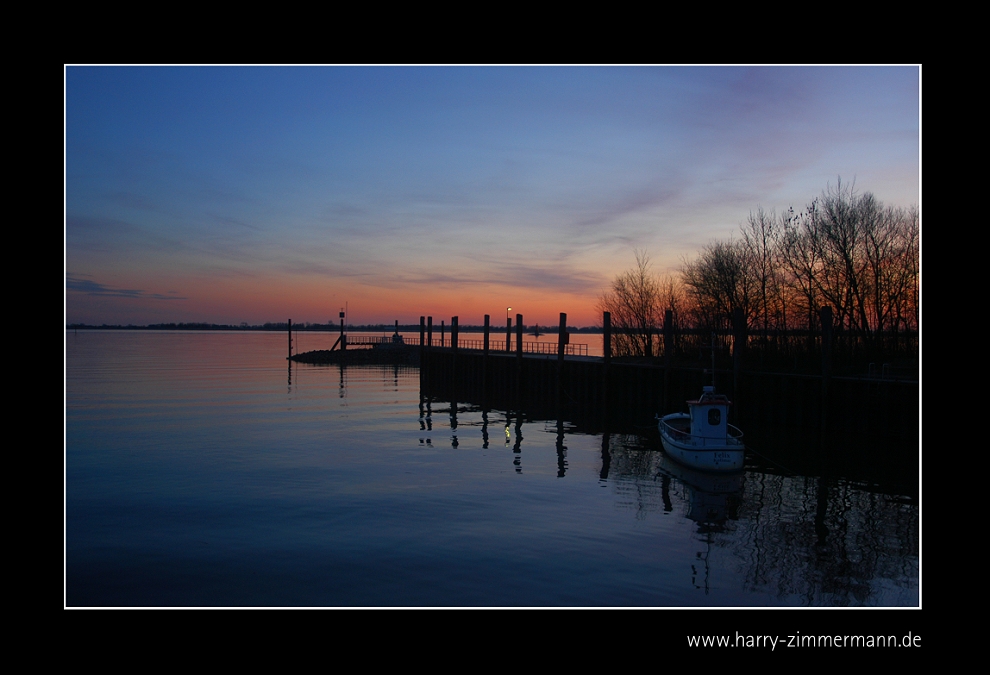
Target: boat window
(714,416)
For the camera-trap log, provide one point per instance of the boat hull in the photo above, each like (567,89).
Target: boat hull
(727,459)
(702,454)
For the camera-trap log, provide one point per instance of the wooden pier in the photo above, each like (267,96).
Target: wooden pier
(561,381)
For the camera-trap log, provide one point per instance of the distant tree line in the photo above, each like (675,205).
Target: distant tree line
(844,250)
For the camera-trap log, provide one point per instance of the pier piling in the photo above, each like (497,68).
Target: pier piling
(484,367)
(616,391)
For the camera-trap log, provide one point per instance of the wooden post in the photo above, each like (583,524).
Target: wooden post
(668,355)
(668,337)
(826,318)
(508,334)
(519,337)
(422,354)
(561,345)
(519,360)
(441,333)
(606,359)
(429,331)
(607,337)
(453,368)
(484,367)
(343,337)
(290,338)
(738,345)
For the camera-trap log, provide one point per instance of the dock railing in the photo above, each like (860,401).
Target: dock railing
(494,346)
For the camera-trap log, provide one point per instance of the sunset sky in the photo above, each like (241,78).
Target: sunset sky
(258,194)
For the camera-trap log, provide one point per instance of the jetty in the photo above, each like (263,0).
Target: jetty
(553,380)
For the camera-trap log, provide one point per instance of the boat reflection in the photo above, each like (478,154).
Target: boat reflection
(711,499)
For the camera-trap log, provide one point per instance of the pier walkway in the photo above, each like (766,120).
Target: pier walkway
(544,376)
(494,346)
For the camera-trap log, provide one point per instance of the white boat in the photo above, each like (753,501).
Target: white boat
(703,438)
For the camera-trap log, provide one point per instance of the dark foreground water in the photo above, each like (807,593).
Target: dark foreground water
(201,471)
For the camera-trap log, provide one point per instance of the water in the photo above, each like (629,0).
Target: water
(201,471)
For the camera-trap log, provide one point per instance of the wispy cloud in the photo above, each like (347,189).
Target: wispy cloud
(78,284)
(538,180)
(529,277)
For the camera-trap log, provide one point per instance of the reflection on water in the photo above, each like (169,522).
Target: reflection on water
(197,475)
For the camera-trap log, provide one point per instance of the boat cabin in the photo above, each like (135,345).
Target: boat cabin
(709,414)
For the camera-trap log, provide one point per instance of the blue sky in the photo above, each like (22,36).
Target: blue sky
(229,194)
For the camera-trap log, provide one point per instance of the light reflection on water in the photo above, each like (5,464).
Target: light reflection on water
(201,470)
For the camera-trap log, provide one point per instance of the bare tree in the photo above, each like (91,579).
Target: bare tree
(849,251)
(635,301)
(800,262)
(761,244)
(845,250)
(908,308)
(866,255)
(844,219)
(719,282)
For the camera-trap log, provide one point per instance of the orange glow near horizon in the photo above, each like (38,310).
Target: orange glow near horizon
(256,301)
(384,306)
(231,195)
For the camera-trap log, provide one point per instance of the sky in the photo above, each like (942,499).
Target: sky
(259,194)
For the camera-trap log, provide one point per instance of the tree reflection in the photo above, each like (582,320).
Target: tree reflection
(814,541)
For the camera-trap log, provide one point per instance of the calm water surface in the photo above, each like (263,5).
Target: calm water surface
(201,470)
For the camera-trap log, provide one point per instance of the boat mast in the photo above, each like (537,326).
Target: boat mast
(713,360)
